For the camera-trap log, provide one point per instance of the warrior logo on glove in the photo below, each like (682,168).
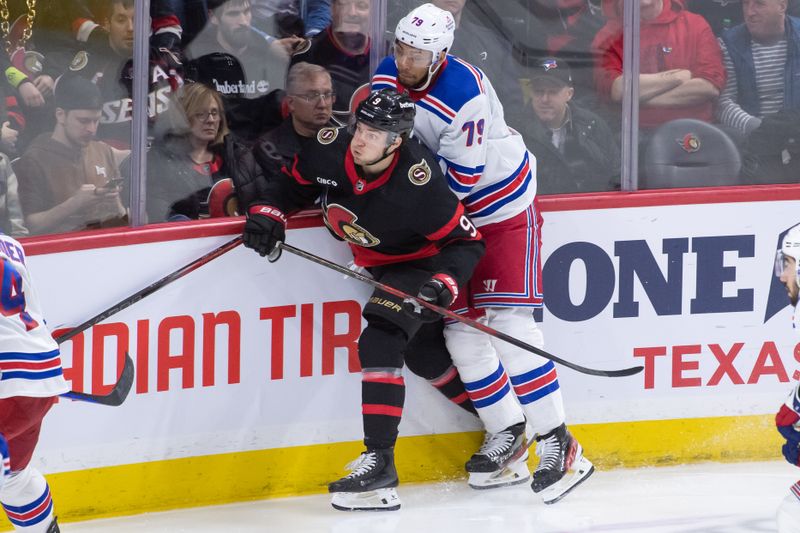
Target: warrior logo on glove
(342,222)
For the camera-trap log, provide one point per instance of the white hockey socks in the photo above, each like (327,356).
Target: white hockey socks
(27,502)
(534,378)
(485,379)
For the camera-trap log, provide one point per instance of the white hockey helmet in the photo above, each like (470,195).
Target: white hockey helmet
(790,247)
(427,28)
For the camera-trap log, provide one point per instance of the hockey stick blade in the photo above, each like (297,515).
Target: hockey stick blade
(464,320)
(123,385)
(117,394)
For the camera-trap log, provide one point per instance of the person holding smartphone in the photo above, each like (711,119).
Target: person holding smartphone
(68,180)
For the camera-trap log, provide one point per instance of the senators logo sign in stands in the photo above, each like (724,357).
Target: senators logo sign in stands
(690,142)
(342,222)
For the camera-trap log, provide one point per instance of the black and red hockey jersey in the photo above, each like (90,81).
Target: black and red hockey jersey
(113,75)
(406,213)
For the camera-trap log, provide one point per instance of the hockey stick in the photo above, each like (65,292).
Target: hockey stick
(123,385)
(117,394)
(464,320)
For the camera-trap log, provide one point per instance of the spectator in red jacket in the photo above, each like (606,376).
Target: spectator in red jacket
(681,71)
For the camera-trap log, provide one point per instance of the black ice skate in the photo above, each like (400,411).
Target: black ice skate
(562,466)
(501,459)
(370,486)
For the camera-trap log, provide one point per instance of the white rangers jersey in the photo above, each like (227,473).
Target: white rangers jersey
(460,119)
(30,361)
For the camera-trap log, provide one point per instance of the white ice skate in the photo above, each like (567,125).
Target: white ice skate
(374,500)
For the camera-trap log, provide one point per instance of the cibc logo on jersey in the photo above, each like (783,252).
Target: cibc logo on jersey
(342,222)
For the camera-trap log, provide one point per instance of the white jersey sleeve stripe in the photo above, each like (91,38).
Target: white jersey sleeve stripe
(435,110)
(461,178)
(444,108)
(382,81)
(30,364)
(475,72)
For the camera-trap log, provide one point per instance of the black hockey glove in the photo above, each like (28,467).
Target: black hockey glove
(170,60)
(440,290)
(167,39)
(264,230)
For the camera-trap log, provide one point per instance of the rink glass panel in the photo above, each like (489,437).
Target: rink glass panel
(46,41)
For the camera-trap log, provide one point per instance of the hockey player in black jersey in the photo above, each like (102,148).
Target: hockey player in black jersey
(384,194)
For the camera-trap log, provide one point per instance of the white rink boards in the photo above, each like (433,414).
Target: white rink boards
(247,371)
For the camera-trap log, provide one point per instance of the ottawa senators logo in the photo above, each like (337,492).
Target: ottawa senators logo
(327,135)
(79,62)
(342,222)
(222,200)
(690,143)
(419,174)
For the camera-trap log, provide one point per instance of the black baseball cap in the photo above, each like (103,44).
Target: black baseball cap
(76,92)
(553,69)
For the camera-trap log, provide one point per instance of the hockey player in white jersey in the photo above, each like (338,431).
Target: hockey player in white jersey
(30,378)
(460,119)
(787,268)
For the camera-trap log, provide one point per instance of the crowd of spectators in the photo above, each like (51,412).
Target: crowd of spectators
(236,87)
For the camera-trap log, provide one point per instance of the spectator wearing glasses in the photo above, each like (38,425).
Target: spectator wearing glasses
(309,100)
(196,153)
(239,63)
(343,49)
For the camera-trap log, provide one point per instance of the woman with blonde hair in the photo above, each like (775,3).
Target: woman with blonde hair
(196,152)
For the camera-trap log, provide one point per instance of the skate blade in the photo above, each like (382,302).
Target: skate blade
(519,456)
(513,474)
(582,469)
(373,500)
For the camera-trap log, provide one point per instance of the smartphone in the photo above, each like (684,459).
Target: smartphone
(112,183)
